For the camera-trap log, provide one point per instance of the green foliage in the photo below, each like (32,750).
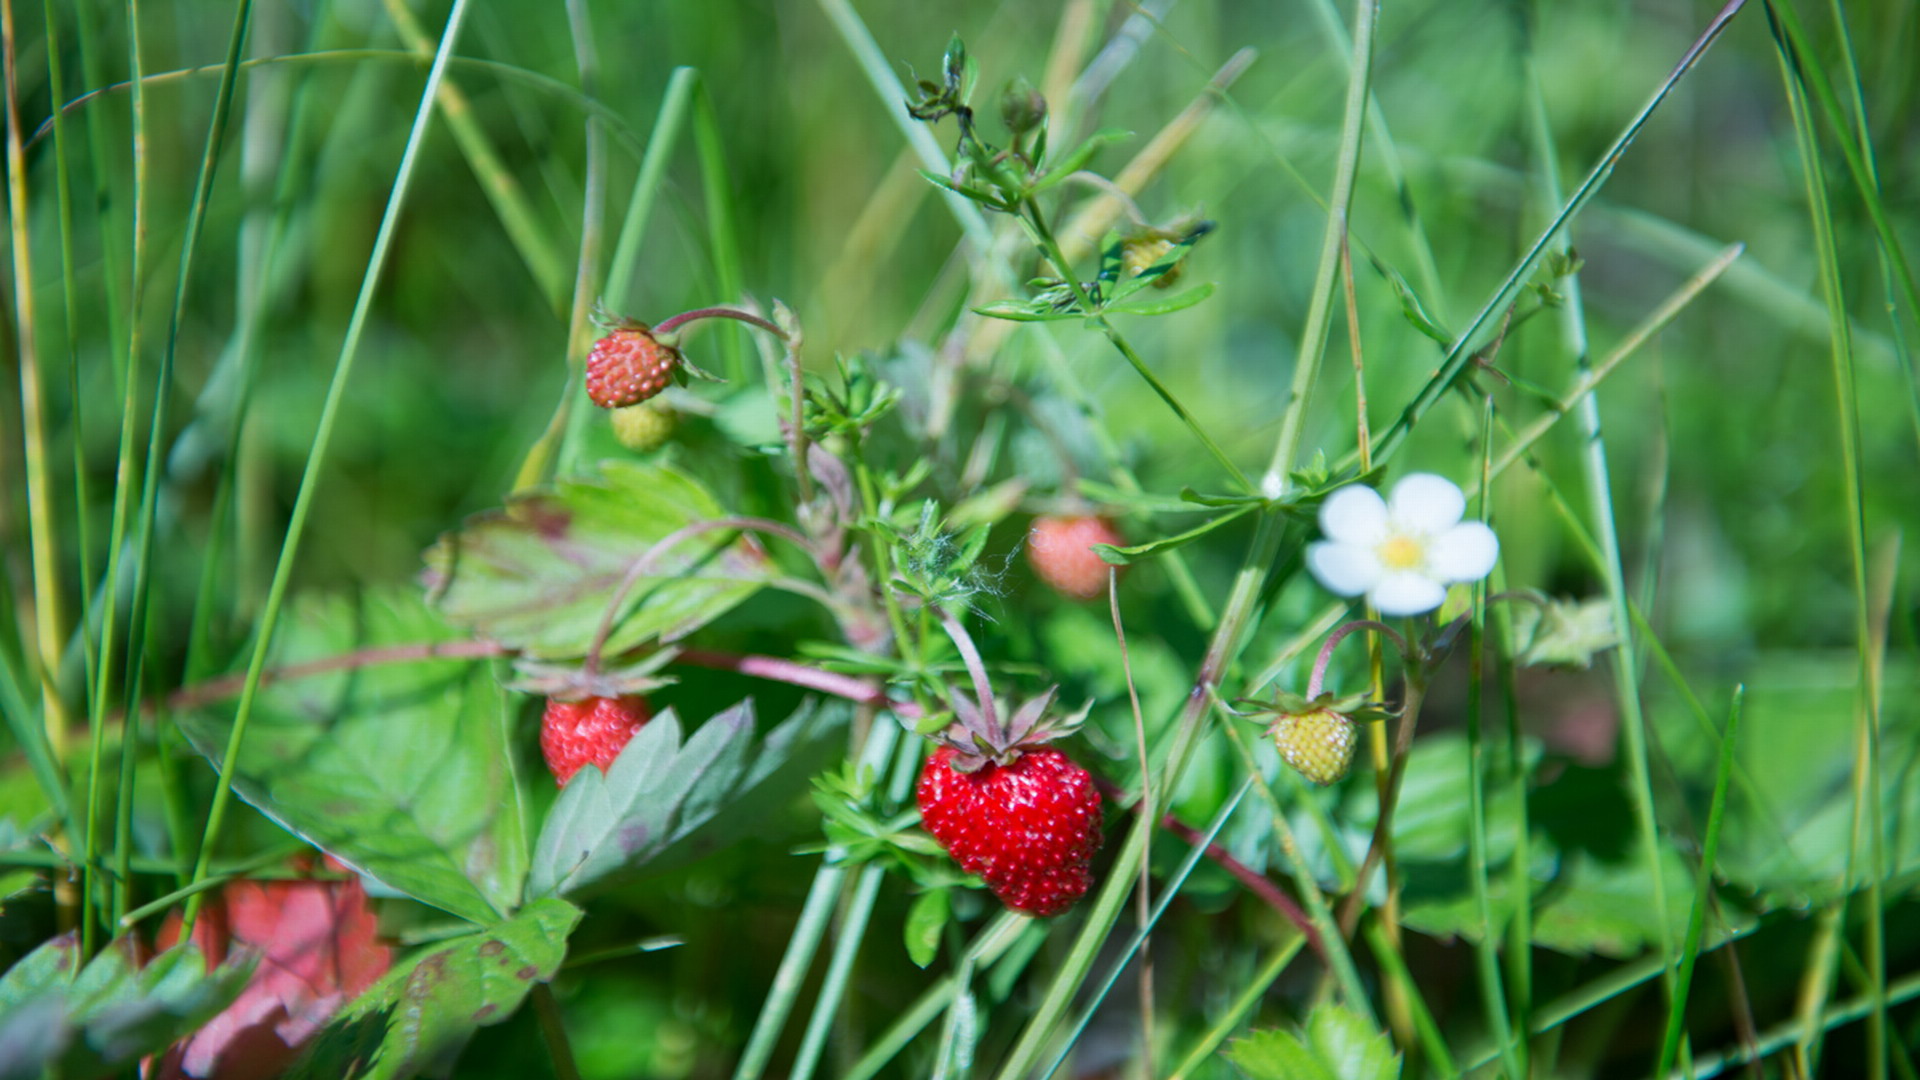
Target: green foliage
(664,801)
(419,1016)
(67,1019)
(547,572)
(1334,1044)
(401,771)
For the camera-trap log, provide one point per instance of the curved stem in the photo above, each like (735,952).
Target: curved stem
(685,317)
(1319,675)
(646,560)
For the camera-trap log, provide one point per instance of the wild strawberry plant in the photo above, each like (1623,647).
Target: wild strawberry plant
(940,674)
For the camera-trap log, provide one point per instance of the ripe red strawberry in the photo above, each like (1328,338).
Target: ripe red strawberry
(1318,743)
(1029,827)
(1060,548)
(628,366)
(591,731)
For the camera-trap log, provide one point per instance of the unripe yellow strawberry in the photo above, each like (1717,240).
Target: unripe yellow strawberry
(1317,743)
(643,427)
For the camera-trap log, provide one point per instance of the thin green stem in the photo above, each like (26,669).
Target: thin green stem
(851,932)
(667,123)
(1035,220)
(816,914)
(1636,731)
(316,458)
(1702,888)
(1229,1022)
(1313,337)
(1797,71)
(1460,354)
(553,1029)
(42,541)
(143,587)
(1195,854)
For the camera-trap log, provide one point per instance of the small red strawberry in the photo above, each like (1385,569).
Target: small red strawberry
(1020,814)
(591,731)
(1061,550)
(629,365)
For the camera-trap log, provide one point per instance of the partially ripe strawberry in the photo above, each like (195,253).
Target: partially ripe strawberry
(1318,743)
(1029,827)
(591,731)
(1061,550)
(628,366)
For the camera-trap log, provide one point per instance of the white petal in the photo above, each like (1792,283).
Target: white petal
(1465,552)
(1406,592)
(1347,569)
(1354,515)
(1425,503)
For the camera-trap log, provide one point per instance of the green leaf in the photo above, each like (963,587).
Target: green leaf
(540,574)
(663,802)
(1412,308)
(1122,556)
(1179,301)
(1276,1055)
(1076,159)
(1339,1045)
(401,771)
(925,921)
(1352,1048)
(110,1014)
(419,1016)
(1025,311)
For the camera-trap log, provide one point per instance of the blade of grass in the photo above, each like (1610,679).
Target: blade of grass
(1195,854)
(1493,991)
(815,915)
(1393,970)
(316,458)
(1245,1003)
(993,941)
(615,125)
(717,193)
(1797,70)
(1806,67)
(502,189)
(70,307)
(667,123)
(138,620)
(1635,731)
(1460,354)
(1326,278)
(1782,1035)
(41,539)
(852,931)
(125,477)
(1702,888)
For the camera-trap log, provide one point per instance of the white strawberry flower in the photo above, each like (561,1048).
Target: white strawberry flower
(1402,551)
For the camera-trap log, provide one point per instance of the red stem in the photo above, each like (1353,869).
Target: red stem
(686,317)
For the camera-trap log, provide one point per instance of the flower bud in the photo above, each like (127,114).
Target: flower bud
(1022,108)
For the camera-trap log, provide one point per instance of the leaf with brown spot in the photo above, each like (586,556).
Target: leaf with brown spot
(427,1008)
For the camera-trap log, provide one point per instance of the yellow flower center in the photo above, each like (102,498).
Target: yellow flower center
(1401,553)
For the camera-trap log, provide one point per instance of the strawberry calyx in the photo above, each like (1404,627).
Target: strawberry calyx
(573,681)
(978,740)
